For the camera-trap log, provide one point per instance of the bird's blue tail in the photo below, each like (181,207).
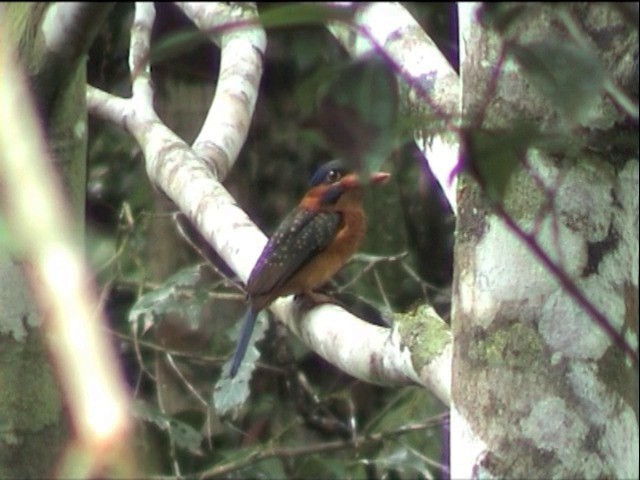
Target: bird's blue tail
(248,322)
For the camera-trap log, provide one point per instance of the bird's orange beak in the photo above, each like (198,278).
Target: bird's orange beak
(353,180)
(378,178)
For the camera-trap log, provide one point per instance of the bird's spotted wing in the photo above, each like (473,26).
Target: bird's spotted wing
(297,240)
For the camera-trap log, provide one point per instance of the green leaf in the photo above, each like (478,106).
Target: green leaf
(406,403)
(315,466)
(176,43)
(399,453)
(314,85)
(181,298)
(309,50)
(185,436)
(501,16)
(231,393)
(403,460)
(571,76)
(491,156)
(358,112)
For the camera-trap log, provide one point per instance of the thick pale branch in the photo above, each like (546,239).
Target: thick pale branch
(139,51)
(235,28)
(368,352)
(108,107)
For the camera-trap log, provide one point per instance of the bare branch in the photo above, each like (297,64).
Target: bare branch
(108,107)
(140,46)
(369,352)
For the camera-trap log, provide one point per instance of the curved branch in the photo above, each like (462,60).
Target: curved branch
(227,124)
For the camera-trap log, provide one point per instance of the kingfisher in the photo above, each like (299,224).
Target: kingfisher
(311,244)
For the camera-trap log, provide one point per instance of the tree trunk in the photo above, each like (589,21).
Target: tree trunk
(33,427)
(543,391)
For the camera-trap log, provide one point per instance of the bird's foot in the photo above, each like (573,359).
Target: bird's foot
(310,299)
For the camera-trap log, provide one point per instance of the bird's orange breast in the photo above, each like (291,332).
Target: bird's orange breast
(327,262)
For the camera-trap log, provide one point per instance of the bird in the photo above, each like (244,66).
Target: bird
(309,246)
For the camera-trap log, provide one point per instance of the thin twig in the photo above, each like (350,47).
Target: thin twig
(291,452)
(159,348)
(376,276)
(193,392)
(371,261)
(172,443)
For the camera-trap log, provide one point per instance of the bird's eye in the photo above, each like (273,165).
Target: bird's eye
(333,176)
